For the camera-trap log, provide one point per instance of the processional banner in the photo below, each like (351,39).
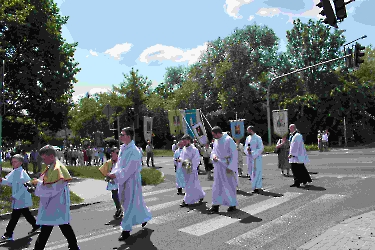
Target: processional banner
(237,129)
(280,122)
(147,128)
(175,122)
(200,133)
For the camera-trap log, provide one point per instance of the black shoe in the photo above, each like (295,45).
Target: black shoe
(200,200)
(179,191)
(231,209)
(124,235)
(256,191)
(144,224)
(35,229)
(118,214)
(213,209)
(183,204)
(295,185)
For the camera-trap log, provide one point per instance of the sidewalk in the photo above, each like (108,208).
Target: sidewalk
(354,233)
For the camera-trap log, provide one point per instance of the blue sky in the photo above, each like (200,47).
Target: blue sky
(115,35)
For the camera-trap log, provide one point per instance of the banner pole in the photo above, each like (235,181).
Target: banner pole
(207,120)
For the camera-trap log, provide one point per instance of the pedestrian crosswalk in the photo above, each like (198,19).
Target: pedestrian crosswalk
(276,215)
(272,217)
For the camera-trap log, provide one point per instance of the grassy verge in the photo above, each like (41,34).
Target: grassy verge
(163,152)
(270,149)
(149,176)
(6,193)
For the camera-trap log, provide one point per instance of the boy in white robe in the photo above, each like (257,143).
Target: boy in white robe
(54,206)
(21,198)
(180,179)
(112,185)
(225,160)
(127,174)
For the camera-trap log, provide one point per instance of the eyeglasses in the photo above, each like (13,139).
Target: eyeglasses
(121,134)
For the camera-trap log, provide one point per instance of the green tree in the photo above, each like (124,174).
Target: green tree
(40,67)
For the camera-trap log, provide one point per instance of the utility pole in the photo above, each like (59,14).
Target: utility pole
(2,110)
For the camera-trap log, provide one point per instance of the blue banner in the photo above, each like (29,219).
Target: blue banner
(237,129)
(191,119)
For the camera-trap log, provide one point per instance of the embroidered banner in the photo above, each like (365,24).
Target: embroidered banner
(237,129)
(192,117)
(200,133)
(280,122)
(175,122)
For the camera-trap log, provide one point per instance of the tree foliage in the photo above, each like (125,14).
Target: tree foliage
(39,66)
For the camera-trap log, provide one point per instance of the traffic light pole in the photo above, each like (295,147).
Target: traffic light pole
(278,77)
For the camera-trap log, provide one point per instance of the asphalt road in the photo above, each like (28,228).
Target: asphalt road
(280,218)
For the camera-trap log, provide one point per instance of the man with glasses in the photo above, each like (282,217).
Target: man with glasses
(127,174)
(112,186)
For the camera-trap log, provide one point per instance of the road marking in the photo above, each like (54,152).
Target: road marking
(158,192)
(274,229)
(220,221)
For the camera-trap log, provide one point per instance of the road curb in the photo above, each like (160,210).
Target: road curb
(34,211)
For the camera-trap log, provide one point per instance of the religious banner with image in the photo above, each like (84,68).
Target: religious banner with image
(200,133)
(192,117)
(280,122)
(237,129)
(175,122)
(147,128)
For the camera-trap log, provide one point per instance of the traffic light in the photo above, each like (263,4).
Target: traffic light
(340,9)
(115,129)
(358,54)
(349,59)
(328,13)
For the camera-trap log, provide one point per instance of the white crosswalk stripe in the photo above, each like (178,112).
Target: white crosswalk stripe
(216,223)
(273,229)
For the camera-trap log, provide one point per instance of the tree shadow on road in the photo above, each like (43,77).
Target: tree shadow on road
(17,244)
(139,240)
(243,193)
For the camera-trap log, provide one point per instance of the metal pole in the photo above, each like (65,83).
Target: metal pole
(2,106)
(269,114)
(362,37)
(346,139)
(118,130)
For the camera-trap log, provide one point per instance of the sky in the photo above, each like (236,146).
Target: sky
(115,36)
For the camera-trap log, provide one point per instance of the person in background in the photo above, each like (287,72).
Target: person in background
(21,198)
(320,141)
(112,186)
(25,164)
(283,161)
(206,153)
(174,146)
(34,160)
(240,157)
(325,140)
(150,154)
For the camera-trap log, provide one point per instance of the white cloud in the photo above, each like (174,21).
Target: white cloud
(270,12)
(251,18)
(232,7)
(93,53)
(161,53)
(119,49)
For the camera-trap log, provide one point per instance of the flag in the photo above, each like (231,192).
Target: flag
(175,122)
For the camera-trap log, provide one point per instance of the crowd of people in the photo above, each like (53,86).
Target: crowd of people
(122,172)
